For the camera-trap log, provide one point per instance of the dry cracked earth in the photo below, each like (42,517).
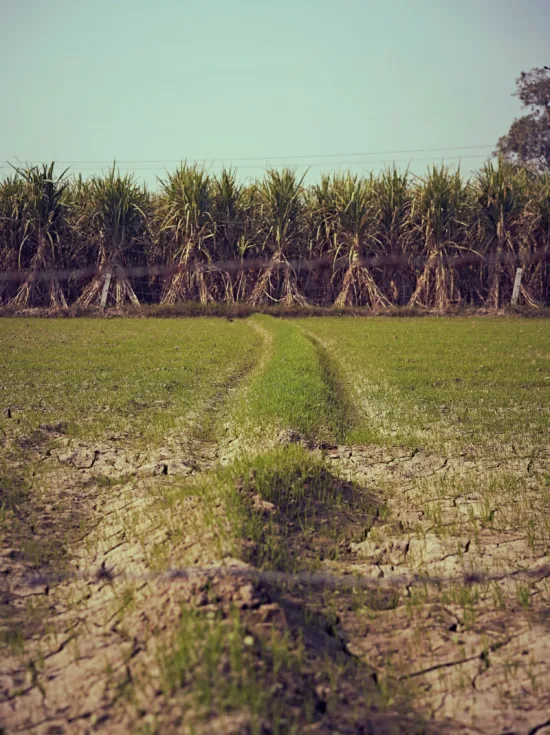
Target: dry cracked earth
(441,598)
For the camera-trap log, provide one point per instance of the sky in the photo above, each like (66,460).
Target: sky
(316,84)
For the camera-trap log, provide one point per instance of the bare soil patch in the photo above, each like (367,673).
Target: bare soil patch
(473,642)
(453,622)
(97,661)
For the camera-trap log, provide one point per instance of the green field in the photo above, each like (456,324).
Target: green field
(358,380)
(425,381)
(375,455)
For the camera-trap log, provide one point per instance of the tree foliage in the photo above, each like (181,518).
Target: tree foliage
(528,140)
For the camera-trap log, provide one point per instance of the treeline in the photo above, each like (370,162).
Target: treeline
(376,241)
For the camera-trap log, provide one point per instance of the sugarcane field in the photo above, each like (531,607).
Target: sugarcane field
(387,242)
(274,417)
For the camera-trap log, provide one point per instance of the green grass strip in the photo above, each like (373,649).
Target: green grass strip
(297,389)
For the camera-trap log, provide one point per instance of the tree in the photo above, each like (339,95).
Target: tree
(528,140)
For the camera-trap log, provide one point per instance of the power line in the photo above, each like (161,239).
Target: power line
(222,159)
(297,165)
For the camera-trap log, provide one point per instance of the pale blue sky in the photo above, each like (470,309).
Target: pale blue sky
(156,82)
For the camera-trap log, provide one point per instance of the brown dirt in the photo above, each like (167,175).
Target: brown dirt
(89,644)
(471,657)
(474,654)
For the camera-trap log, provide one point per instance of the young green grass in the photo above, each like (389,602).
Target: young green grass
(219,667)
(260,508)
(296,389)
(269,680)
(425,381)
(88,377)
(307,499)
(263,508)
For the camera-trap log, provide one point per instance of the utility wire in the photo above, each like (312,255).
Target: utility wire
(275,158)
(87,169)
